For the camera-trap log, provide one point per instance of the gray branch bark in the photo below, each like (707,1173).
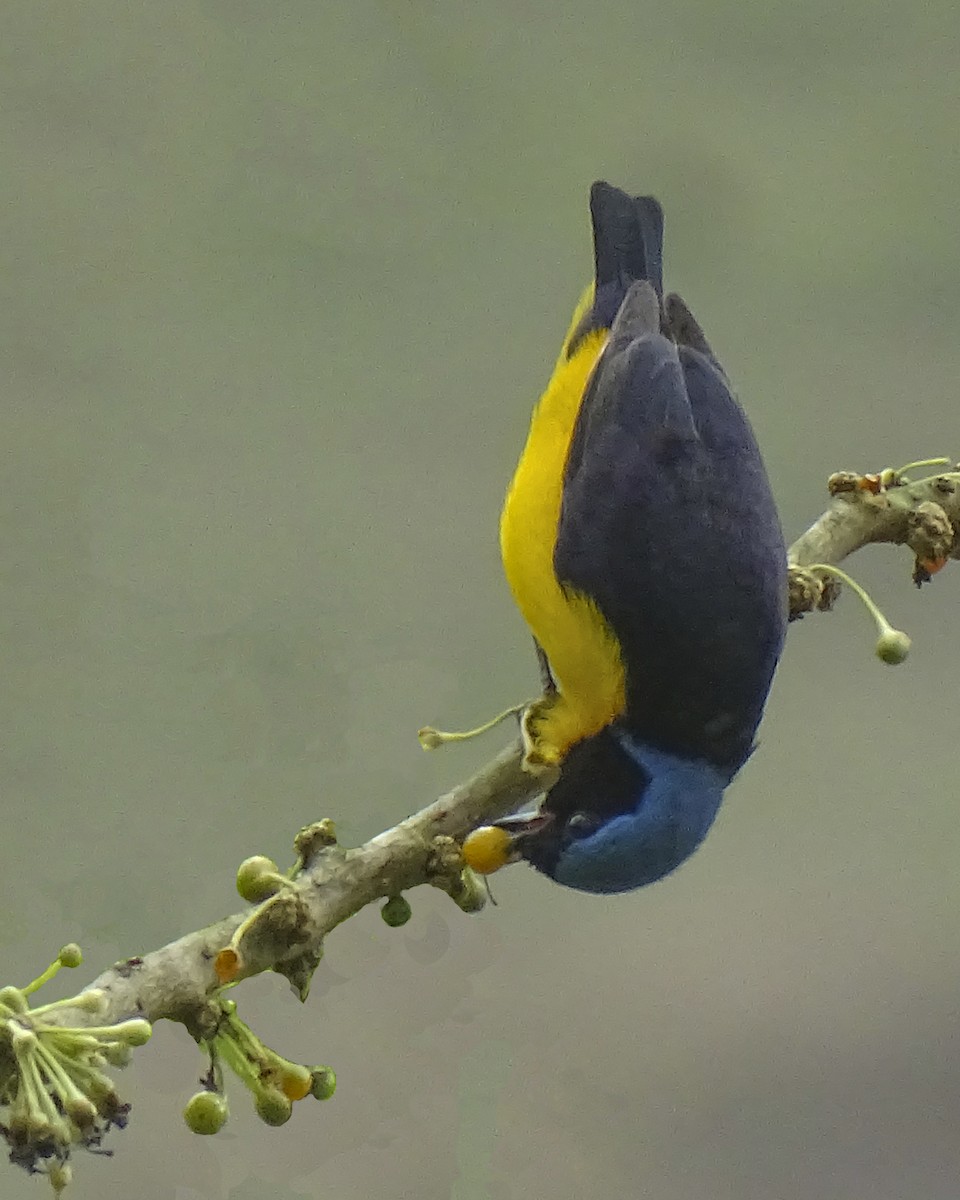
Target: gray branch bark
(287,935)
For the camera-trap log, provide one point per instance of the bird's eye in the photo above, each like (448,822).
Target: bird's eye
(583,824)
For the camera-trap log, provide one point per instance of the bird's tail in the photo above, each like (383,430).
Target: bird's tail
(628,245)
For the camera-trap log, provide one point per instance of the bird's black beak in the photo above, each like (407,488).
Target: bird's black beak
(524,825)
(491,847)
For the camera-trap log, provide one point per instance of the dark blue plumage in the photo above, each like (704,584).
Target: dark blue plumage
(631,247)
(668,524)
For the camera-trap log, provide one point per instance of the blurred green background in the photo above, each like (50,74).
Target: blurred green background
(281,283)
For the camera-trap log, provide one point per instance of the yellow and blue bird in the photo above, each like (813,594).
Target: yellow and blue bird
(643,548)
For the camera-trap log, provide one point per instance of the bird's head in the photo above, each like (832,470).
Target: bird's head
(622,815)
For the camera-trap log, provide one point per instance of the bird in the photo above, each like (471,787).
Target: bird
(643,548)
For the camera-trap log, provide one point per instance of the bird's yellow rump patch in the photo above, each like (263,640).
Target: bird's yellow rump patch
(583,651)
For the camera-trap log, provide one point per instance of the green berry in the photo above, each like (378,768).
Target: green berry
(396,911)
(135,1032)
(206,1112)
(12,998)
(273,1107)
(893,646)
(324,1083)
(256,878)
(70,955)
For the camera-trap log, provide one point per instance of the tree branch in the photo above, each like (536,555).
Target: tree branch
(176,981)
(870,509)
(183,981)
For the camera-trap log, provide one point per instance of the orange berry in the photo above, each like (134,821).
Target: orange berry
(296,1082)
(487,849)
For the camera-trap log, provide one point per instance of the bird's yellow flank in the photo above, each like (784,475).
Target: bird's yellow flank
(583,651)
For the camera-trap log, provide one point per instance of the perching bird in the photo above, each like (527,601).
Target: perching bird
(643,548)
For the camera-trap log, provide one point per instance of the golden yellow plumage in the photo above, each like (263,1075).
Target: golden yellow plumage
(583,652)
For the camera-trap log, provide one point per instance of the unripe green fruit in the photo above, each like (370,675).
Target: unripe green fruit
(396,911)
(893,646)
(324,1083)
(206,1112)
(12,998)
(135,1032)
(273,1107)
(70,955)
(254,882)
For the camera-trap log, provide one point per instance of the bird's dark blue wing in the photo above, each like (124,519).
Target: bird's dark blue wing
(668,523)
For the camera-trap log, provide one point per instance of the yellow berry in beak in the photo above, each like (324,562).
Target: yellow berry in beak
(491,847)
(488,849)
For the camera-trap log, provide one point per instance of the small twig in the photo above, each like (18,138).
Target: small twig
(176,981)
(858,516)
